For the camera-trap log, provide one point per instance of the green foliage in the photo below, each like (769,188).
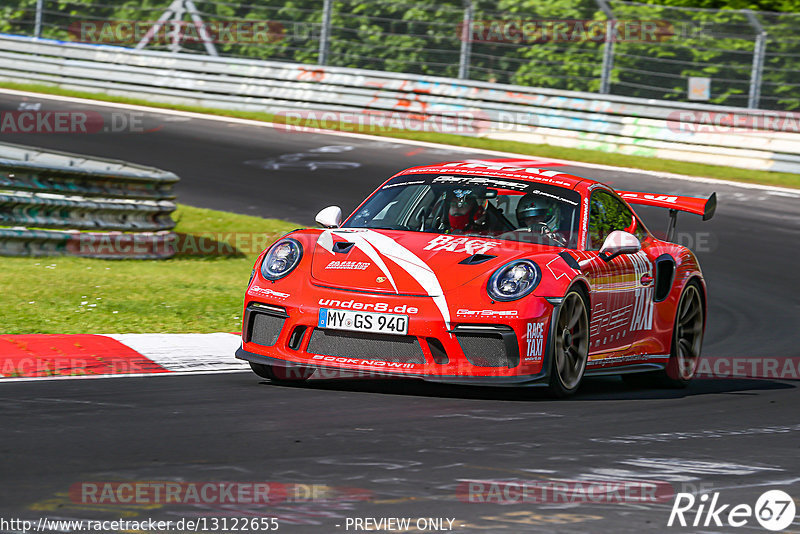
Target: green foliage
(424,37)
(572,65)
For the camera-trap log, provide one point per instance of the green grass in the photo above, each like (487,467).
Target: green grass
(542,151)
(69,295)
(193,293)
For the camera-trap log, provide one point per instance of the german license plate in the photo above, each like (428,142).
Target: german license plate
(358,321)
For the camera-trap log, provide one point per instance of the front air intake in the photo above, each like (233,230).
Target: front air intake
(266,329)
(484,350)
(488,345)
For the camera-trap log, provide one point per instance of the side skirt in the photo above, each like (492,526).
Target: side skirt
(626,369)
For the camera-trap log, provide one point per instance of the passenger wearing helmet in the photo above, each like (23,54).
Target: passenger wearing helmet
(464,212)
(539,214)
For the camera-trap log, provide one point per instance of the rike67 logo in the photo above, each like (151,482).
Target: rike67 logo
(774,510)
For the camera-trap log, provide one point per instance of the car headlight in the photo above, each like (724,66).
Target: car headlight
(281,258)
(514,280)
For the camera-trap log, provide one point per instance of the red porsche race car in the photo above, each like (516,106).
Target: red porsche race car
(481,273)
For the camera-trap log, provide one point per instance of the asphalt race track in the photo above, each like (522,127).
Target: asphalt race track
(391,448)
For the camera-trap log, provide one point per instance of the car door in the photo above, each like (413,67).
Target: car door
(621,297)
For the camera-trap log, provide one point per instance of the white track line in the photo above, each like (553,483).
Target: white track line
(233,120)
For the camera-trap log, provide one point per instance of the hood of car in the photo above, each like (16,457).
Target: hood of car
(413,263)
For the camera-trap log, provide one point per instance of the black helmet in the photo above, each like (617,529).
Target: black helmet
(533,208)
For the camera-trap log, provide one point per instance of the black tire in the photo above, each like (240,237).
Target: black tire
(687,339)
(570,350)
(282,375)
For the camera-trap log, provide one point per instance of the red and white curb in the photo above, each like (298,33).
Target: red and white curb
(43,356)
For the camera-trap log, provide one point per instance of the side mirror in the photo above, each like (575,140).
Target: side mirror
(330,217)
(619,242)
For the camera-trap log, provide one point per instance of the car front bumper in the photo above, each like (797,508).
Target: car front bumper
(497,344)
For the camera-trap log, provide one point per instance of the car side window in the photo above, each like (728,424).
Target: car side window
(606,214)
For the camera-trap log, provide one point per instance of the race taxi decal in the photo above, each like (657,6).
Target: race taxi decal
(534,340)
(463,245)
(642,316)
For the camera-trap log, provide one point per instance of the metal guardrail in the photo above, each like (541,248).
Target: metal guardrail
(41,178)
(40,190)
(733,57)
(43,210)
(651,128)
(145,246)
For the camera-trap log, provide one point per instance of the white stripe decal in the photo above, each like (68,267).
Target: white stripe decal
(367,248)
(414,266)
(373,244)
(325,240)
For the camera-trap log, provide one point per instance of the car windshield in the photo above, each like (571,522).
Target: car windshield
(514,210)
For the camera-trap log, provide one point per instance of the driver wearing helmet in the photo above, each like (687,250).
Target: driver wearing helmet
(539,214)
(464,212)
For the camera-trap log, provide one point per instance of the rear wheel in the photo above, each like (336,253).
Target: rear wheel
(570,345)
(687,337)
(687,340)
(282,375)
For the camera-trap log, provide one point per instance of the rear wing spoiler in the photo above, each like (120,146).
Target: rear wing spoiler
(699,206)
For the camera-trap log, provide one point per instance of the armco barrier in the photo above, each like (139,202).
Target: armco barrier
(37,178)
(41,190)
(55,211)
(736,137)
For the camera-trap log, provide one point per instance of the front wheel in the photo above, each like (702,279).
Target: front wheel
(570,345)
(282,375)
